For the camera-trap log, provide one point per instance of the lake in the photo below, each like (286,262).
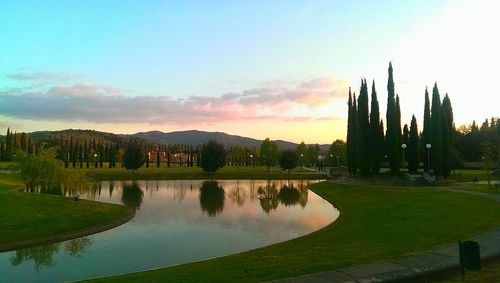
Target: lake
(176,222)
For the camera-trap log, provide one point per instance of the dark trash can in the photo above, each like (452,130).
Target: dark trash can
(470,255)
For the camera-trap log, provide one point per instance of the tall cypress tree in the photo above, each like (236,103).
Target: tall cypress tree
(392,136)
(412,148)
(355,134)
(399,132)
(448,134)
(436,133)
(351,136)
(376,139)
(364,130)
(426,133)
(406,134)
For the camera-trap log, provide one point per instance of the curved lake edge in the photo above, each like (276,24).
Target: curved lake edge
(70,235)
(232,254)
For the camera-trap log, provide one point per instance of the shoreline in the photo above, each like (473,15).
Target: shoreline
(68,236)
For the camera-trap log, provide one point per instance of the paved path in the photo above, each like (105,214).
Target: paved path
(411,267)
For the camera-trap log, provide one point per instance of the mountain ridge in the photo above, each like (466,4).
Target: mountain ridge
(187,137)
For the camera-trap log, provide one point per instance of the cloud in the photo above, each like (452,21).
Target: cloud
(104,104)
(41,76)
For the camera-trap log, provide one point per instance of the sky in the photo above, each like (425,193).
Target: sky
(277,69)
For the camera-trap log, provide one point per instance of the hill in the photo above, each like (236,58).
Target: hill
(191,137)
(195,138)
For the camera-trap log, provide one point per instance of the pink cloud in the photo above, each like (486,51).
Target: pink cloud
(105,104)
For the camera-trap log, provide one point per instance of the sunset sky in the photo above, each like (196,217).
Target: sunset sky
(278,69)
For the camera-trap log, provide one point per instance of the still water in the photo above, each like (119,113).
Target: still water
(176,222)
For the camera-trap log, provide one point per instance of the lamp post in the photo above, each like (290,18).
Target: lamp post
(95,160)
(403,146)
(428,146)
(251,161)
(301,158)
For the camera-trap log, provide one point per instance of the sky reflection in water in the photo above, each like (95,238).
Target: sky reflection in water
(176,222)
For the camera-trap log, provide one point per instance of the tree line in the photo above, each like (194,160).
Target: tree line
(440,146)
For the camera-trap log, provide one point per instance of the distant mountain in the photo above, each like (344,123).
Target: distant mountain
(191,137)
(78,134)
(194,138)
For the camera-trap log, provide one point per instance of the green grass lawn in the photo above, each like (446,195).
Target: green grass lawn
(468,175)
(375,223)
(28,219)
(178,173)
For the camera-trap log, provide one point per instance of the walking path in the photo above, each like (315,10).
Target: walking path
(410,268)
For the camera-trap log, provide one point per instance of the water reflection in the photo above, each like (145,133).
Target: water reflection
(270,193)
(230,216)
(132,195)
(212,198)
(43,256)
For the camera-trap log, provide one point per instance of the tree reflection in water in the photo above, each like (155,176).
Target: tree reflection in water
(211,198)
(268,196)
(288,195)
(43,256)
(132,195)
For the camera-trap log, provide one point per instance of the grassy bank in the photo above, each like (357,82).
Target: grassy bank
(375,223)
(31,219)
(178,173)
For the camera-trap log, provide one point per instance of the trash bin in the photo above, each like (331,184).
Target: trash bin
(470,255)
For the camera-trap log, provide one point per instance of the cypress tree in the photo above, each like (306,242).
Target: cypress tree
(364,130)
(86,153)
(392,136)
(448,134)
(399,134)
(376,138)
(80,153)
(351,148)
(406,135)
(412,148)
(436,133)
(426,133)
(355,133)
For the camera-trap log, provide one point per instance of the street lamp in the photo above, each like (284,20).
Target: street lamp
(301,159)
(428,146)
(403,146)
(95,160)
(251,161)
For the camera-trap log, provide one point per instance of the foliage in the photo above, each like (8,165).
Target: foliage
(269,153)
(364,130)
(312,155)
(288,159)
(302,153)
(133,157)
(352,135)
(41,168)
(412,149)
(337,153)
(426,133)
(392,131)
(376,134)
(436,133)
(213,156)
